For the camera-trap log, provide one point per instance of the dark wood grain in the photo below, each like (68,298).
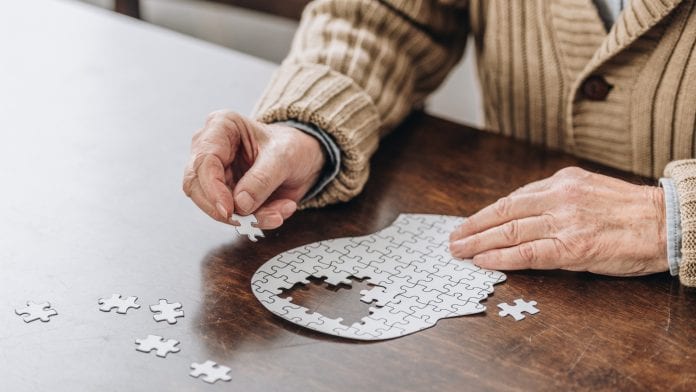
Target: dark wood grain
(93,151)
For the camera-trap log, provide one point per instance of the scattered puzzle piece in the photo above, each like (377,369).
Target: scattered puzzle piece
(246,226)
(167,311)
(417,282)
(210,371)
(33,311)
(120,304)
(516,310)
(154,342)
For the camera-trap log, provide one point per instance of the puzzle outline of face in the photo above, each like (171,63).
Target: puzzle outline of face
(416,281)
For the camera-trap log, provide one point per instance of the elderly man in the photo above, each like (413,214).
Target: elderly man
(604,80)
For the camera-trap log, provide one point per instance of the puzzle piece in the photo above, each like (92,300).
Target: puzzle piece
(417,282)
(377,294)
(246,226)
(33,311)
(116,302)
(167,311)
(154,342)
(210,371)
(516,310)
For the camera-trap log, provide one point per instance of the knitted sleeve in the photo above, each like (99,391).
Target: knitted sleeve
(357,68)
(683,173)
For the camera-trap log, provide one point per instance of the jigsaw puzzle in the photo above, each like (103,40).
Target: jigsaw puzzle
(210,371)
(116,302)
(246,226)
(516,310)
(33,311)
(167,311)
(416,281)
(154,342)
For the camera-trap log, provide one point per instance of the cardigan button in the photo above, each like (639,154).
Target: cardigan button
(596,88)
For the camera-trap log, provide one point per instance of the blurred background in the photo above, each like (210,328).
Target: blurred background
(264,29)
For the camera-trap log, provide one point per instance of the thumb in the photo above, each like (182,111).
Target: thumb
(258,183)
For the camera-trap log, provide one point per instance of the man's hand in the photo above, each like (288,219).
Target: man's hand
(574,220)
(243,166)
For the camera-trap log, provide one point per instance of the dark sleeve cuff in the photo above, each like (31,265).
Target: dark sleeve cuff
(673,225)
(333,155)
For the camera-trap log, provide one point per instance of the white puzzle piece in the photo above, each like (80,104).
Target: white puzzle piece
(162,347)
(516,310)
(247,226)
(167,311)
(33,311)
(119,303)
(210,371)
(417,282)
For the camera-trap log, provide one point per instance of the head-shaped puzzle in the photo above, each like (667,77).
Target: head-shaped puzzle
(416,280)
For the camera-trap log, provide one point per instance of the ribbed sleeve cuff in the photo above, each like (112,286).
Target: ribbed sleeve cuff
(683,173)
(317,95)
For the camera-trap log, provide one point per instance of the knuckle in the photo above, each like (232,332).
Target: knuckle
(213,115)
(262,179)
(502,206)
(187,185)
(231,115)
(510,231)
(549,222)
(528,253)
(225,120)
(558,247)
(579,248)
(214,118)
(570,172)
(196,162)
(569,189)
(197,134)
(218,114)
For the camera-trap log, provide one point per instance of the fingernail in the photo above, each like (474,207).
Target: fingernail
(453,236)
(478,260)
(271,220)
(221,209)
(288,209)
(244,201)
(458,233)
(454,252)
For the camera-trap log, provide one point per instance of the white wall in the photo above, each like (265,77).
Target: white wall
(269,37)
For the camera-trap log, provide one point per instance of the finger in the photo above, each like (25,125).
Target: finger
(212,150)
(262,179)
(200,199)
(211,175)
(273,214)
(539,254)
(509,234)
(502,211)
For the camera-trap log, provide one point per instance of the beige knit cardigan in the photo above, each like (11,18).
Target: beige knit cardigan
(358,67)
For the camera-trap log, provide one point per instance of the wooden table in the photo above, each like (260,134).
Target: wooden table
(96,113)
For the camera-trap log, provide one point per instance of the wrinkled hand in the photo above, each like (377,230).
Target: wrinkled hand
(243,166)
(574,220)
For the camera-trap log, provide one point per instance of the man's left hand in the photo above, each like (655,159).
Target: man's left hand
(574,220)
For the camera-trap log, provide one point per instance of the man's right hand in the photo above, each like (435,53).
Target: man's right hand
(243,166)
